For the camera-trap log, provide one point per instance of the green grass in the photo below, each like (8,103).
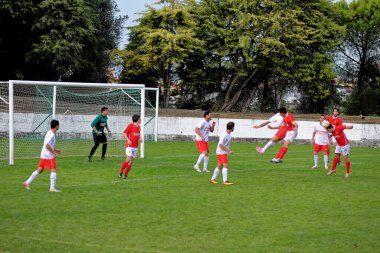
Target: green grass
(165,206)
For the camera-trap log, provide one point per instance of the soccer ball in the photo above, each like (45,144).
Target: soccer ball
(325,123)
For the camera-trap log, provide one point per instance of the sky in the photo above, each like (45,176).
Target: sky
(131,8)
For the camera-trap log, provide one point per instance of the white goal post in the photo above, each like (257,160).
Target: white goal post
(75,105)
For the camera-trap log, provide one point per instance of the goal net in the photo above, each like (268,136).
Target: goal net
(27,107)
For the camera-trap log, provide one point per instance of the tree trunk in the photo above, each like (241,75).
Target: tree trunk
(235,98)
(247,103)
(224,99)
(166,83)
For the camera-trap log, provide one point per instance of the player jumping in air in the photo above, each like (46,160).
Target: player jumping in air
(133,138)
(98,134)
(335,120)
(291,128)
(275,122)
(47,158)
(223,150)
(342,147)
(202,131)
(321,142)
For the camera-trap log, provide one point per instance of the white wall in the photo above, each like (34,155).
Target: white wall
(168,126)
(183,127)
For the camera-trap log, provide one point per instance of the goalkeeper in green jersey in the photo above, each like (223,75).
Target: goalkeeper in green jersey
(98,125)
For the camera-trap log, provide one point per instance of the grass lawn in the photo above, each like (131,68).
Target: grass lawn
(165,206)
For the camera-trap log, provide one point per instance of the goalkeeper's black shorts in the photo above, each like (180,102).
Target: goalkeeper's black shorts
(101,138)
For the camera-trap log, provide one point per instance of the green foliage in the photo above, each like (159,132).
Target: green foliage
(230,53)
(255,47)
(164,39)
(359,54)
(164,206)
(62,29)
(58,40)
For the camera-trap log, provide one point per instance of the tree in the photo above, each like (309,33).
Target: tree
(359,54)
(57,40)
(166,37)
(16,19)
(98,48)
(260,48)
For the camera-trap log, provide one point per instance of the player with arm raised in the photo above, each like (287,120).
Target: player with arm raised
(98,134)
(223,150)
(291,128)
(202,131)
(342,147)
(321,142)
(274,123)
(132,140)
(47,158)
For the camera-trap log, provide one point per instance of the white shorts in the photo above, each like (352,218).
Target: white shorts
(291,135)
(131,152)
(342,150)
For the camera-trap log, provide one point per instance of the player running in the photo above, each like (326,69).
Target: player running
(98,134)
(133,139)
(291,128)
(275,123)
(202,131)
(47,158)
(321,142)
(223,150)
(342,147)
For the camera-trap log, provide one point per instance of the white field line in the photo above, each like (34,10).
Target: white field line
(120,249)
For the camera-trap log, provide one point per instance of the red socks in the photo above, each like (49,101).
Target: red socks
(348,163)
(128,168)
(282,153)
(334,163)
(123,166)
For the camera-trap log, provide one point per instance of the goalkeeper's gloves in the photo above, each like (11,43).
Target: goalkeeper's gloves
(98,133)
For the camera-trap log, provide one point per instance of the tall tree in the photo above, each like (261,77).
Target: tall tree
(98,48)
(166,38)
(359,54)
(57,40)
(257,45)
(62,26)
(16,19)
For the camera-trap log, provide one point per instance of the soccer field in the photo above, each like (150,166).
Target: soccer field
(165,206)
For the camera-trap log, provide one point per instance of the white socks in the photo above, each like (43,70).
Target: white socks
(216,173)
(225,174)
(268,145)
(326,159)
(34,175)
(205,162)
(316,160)
(200,158)
(53,179)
